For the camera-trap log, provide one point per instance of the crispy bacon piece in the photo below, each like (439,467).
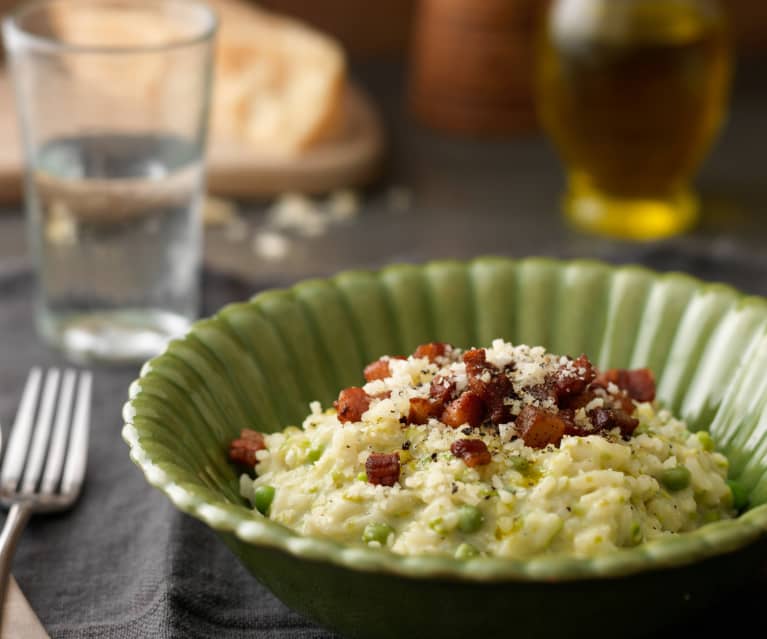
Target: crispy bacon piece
(473,452)
(622,402)
(545,391)
(638,383)
(489,384)
(575,402)
(608,418)
(467,409)
(567,415)
(641,385)
(619,400)
(573,378)
(476,361)
(421,408)
(441,389)
(351,403)
(380,369)
(243,449)
(377,370)
(382,468)
(253,436)
(433,350)
(539,428)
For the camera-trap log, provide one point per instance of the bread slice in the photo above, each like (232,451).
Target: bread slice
(99,78)
(279,84)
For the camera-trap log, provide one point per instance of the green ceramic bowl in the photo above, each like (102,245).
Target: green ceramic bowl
(259,363)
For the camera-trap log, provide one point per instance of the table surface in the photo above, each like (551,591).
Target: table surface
(469,198)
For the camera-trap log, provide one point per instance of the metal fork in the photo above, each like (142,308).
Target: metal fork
(44,464)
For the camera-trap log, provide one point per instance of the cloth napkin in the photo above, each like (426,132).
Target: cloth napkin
(124,563)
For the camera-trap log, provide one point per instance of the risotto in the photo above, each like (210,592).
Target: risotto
(505,451)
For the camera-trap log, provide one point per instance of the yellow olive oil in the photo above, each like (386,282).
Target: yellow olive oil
(632,93)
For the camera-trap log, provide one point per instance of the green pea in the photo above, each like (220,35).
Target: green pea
(438,526)
(642,429)
(487,491)
(520,464)
(262,498)
(375,531)
(465,551)
(470,519)
(675,478)
(314,454)
(705,440)
(711,516)
(739,494)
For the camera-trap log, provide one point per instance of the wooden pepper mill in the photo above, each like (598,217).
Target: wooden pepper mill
(472,65)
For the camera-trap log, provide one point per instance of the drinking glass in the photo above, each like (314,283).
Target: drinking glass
(632,93)
(113,100)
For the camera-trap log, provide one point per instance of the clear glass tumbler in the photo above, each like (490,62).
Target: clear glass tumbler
(113,99)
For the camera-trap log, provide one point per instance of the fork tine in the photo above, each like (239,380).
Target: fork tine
(55,462)
(22,431)
(74,469)
(42,431)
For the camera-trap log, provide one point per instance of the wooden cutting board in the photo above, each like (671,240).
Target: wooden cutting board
(236,170)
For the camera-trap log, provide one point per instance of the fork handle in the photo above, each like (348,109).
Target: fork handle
(18,515)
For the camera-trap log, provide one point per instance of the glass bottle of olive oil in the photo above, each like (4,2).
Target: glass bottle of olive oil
(632,93)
